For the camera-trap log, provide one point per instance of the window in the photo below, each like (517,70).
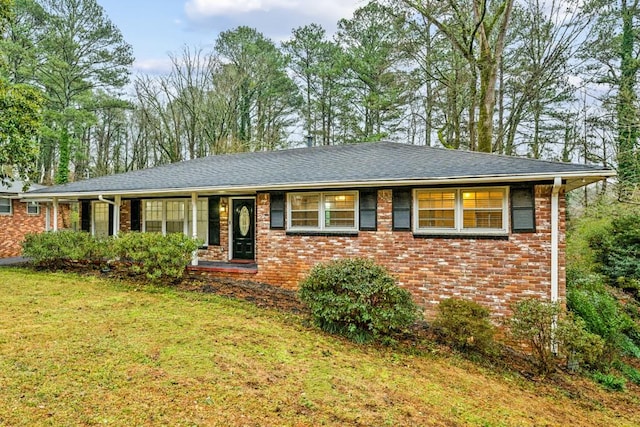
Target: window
(334,211)
(174,216)
(100,219)
(202,220)
(5,206)
(153,216)
(461,210)
(33,208)
(523,218)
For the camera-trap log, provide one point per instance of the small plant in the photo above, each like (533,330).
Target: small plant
(610,381)
(154,255)
(581,348)
(533,322)
(358,299)
(464,325)
(630,372)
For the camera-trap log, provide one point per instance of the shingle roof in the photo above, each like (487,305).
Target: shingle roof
(383,162)
(16,187)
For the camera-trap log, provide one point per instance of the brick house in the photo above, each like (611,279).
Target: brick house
(445,223)
(19,217)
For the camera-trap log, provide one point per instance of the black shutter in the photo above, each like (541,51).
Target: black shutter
(523,215)
(402,209)
(136,205)
(214,220)
(85,212)
(276,208)
(111,207)
(368,204)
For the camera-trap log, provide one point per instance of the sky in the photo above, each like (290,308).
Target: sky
(155,28)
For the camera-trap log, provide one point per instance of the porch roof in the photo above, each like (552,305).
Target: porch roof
(367,164)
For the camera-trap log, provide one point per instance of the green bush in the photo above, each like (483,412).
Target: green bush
(532,322)
(580,348)
(154,255)
(603,316)
(630,372)
(464,325)
(553,334)
(610,381)
(618,250)
(357,299)
(58,247)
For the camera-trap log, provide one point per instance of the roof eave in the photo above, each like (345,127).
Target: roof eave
(572,180)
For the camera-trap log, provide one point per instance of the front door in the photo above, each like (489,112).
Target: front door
(243,245)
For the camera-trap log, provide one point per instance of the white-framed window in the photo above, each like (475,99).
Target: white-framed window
(174,216)
(5,206)
(33,208)
(461,210)
(100,219)
(323,211)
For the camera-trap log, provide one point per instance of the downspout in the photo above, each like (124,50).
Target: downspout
(555,237)
(116,212)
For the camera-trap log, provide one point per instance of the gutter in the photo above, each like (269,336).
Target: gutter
(250,189)
(555,237)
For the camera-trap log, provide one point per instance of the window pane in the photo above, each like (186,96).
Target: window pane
(304,210)
(101,219)
(482,199)
(436,219)
(202,219)
(5,206)
(153,216)
(436,209)
(483,209)
(33,208)
(339,210)
(153,210)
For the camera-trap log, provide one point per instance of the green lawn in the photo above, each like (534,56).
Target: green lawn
(83,351)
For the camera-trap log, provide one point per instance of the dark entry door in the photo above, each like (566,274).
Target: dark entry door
(244,229)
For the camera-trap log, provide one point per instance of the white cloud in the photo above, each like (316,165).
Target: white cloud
(153,66)
(198,10)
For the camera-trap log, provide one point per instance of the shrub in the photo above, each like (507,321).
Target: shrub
(630,372)
(533,322)
(53,248)
(603,316)
(154,255)
(610,381)
(547,329)
(618,250)
(357,299)
(464,325)
(580,347)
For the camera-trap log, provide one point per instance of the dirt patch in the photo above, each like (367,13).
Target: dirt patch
(260,294)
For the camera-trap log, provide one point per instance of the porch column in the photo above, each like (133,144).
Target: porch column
(47,217)
(116,214)
(55,214)
(194,225)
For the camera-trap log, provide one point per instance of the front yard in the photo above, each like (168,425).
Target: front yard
(81,351)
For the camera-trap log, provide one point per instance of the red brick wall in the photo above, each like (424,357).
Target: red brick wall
(14,227)
(495,273)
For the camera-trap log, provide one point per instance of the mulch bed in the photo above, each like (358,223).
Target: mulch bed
(260,294)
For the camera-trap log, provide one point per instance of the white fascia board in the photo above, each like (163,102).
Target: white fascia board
(580,177)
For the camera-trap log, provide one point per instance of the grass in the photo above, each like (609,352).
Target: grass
(83,351)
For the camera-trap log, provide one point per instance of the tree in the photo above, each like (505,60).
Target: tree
(82,51)
(316,62)
(375,92)
(267,98)
(613,56)
(20,117)
(478,33)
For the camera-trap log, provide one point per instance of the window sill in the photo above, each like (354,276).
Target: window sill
(321,233)
(466,236)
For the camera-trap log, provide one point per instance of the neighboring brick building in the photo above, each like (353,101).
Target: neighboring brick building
(445,223)
(19,217)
